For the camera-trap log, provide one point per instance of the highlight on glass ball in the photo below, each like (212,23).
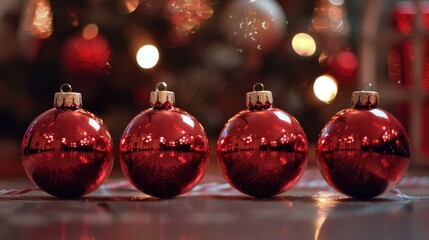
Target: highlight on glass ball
(262,151)
(363,151)
(67,151)
(164,150)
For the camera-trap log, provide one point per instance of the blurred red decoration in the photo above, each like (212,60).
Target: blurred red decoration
(363,151)
(262,151)
(164,150)
(343,66)
(401,55)
(403,111)
(87,54)
(67,151)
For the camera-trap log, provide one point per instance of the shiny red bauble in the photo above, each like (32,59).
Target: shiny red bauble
(67,151)
(262,151)
(164,150)
(363,151)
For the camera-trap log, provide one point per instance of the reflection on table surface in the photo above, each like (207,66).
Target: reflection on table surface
(301,213)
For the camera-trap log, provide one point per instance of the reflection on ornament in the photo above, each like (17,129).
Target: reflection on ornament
(147,56)
(87,54)
(262,151)
(164,150)
(303,44)
(188,15)
(325,88)
(254,25)
(363,151)
(67,151)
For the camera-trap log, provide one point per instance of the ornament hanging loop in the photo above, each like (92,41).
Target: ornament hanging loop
(161,86)
(370,85)
(65,87)
(258,85)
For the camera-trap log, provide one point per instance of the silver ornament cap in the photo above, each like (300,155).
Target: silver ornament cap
(161,95)
(66,98)
(365,98)
(259,96)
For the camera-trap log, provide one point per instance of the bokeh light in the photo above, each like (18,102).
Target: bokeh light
(128,6)
(38,19)
(90,31)
(347,63)
(325,88)
(303,44)
(342,66)
(147,56)
(188,15)
(330,17)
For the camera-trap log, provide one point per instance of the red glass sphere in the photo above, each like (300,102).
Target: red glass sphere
(363,152)
(164,151)
(262,151)
(67,152)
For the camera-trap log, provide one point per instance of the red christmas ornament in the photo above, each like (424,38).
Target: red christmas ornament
(164,150)
(262,151)
(363,151)
(67,151)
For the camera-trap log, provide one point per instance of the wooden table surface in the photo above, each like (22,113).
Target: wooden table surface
(215,211)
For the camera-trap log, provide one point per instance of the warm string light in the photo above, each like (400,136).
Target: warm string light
(147,56)
(303,44)
(325,88)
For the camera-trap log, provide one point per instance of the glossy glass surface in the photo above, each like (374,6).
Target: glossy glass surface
(262,152)
(67,153)
(363,153)
(164,152)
